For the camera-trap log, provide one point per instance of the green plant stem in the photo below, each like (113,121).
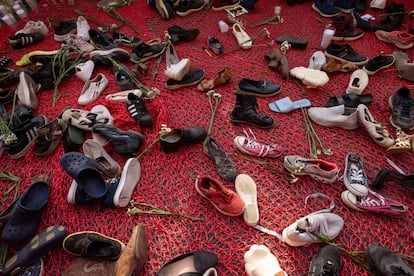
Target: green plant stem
(104,26)
(272,20)
(6,176)
(217,100)
(157,211)
(112,12)
(147,149)
(4,248)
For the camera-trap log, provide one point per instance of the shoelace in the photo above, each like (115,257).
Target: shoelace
(329,269)
(370,202)
(254,143)
(357,176)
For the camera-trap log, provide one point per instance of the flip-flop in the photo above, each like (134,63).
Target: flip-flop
(286,105)
(350,100)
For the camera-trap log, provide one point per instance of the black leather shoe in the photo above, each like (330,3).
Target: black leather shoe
(386,175)
(384,262)
(245,112)
(179,34)
(224,165)
(201,261)
(259,88)
(176,138)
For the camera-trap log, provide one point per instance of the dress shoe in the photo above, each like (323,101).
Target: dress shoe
(176,138)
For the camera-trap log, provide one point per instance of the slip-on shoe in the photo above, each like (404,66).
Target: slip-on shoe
(103,160)
(27,216)
(196,263)
(171,141)
(259,88)
(85,172)
(191,78)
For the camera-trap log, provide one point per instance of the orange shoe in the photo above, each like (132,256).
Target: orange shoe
(225,200)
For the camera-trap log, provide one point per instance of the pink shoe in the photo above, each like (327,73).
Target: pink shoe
(374,202)
(253,146)
(402,40)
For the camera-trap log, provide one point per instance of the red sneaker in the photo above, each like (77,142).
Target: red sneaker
(225,200)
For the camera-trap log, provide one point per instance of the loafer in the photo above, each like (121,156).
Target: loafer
(225,166)
(176,138)
(38,247)
(200,260)
(26,218)
(179,34)
(191,78)
(260,88)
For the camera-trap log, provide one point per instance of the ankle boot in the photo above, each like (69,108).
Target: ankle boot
(344,29)
(394,19)
(383,175)
(245,112)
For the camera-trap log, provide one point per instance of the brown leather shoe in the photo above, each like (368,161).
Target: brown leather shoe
(278,62)
(90,267)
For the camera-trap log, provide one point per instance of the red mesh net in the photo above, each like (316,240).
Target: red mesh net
(167,180)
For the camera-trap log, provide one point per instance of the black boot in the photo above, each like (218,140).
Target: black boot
(383,175)
(394,19)
(384,261)
(245,112)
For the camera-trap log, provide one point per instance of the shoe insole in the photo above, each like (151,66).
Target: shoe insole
(177,268)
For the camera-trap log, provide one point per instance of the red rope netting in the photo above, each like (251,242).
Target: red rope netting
(167,179)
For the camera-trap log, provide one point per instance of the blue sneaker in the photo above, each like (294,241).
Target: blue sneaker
(325,8)
(344,5)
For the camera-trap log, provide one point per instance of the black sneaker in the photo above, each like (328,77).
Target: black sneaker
(345,53)
(189,6)
(26,135)
(179,34)
(138,110)
(123,80)
(17,117)
(327,261)
(144,52)
(100,57)
(165,9)
(22,40)
(384,261)
(225,166)
(101,40)
(126,40)
(189,79)
(402,105)
(378,63)
(64,30)
(125,142)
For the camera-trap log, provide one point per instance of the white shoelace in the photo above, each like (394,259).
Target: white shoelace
(357,176)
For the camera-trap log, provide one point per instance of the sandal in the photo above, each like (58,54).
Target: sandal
(82,119)
(49,136)
(350,100)
(223,77)
(404,142)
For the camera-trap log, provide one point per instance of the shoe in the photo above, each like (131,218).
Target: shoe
(277,62)
(147,50)
(256,147)
(48,137)
(17,117)
(80,44)
(376,130)
(327,261)
(77,195)
(22,40)
(34,269)
(125,142)
(259,88)
(32,27)
(243,39)
(64,30)
(402,105)
(215,46)
(317,60)
(386,175)
(92,244)
(103,161)
(360,5)
(358,82)
(245,112)
(225,166)
(334,117)
(384,261)
(374,203)
(82,28)
(401,39)
(40,246)
(345,53)
(325,8)
(378,4)
(225,200)
(179,34)
(318,169)
(344,6)
(403,143)
(171,141)
(93,89)
(394,20)
(351,100)
(344,31)
(165,9)
(300,233)
(222,77)
(138,110)
(85,172)
(126,40)
(358,22)
(200,261)
(405,69)
(135,254)
(295,42)
(219,5)
(101,40)
(186,7)
(90,267)
(247,191)
(259,261)
(103,117)
(176,68)
(84,70)
(123,79)
(121,188)
(355,178)
(191,78)
(27,215)
(26,91)
(26,135)
(333,65)
(101,56)
(378,63)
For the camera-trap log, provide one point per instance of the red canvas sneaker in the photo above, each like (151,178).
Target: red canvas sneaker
(225,200)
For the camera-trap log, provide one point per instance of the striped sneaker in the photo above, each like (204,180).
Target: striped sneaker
(21,40)
(138,110)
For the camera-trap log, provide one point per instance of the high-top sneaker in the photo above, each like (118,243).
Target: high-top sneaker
(245,112)
(394,19)
(344,29)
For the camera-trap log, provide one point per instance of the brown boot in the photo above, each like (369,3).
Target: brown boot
(278,62)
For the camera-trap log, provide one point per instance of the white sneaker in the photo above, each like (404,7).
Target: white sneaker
(34,27)
(300,232)
(378,4)
(81,44)
(82,28)
(176,68)
(246,189)
(259,261)
(26,91)
(355,178)
(92,89)
(243,39)
(317,60)
(334,117)
(84,70)
(358,82)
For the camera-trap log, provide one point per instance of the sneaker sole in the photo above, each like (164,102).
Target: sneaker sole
(72,192)
(130,176)
(348,38)
(236,122)
(401,46)
(107,52)
(344,60)
(247,190)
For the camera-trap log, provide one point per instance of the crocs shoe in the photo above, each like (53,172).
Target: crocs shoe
(357,82)
(355,178)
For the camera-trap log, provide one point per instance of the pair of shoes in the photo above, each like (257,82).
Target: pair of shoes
(403,142)
(250,145)
(259,88)
(225,166)
(223,199)
(374,203)
(172,140)
(384,261)
(138,110)
(345,53)
(259,261)
(402,105)
(401,39)
(245,112)
(386,175)
(194,263)
(318,169)
(277,62)
(222,77)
